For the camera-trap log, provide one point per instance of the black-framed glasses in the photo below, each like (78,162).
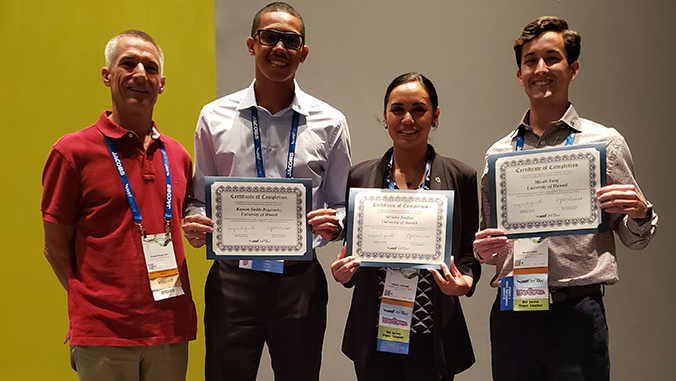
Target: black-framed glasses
(271,37)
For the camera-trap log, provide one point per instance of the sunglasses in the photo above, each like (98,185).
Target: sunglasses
(269,37)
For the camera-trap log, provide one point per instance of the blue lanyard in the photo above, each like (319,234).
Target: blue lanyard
(519,140)
(257,143)
(127,186)
(392,185)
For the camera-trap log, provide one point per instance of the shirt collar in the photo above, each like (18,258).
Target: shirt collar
(115,131)
(299,103)
(569,118)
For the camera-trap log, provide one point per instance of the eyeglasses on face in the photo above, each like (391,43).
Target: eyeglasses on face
(270,37)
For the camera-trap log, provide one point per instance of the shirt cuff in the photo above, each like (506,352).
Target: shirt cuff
(643,226)
(341,231)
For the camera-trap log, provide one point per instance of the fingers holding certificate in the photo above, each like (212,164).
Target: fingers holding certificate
(259,218)
(400,228)
(549,191)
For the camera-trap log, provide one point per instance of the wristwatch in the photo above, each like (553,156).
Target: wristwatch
(648,216)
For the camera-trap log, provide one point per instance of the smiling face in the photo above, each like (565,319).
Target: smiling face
(276,63)
(545,73)
(134,77)
(409,116)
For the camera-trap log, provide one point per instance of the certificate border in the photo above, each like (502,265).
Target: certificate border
(492,178)
(450,197)
(239,252)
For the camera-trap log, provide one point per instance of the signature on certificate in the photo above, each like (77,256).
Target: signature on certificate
(241,229)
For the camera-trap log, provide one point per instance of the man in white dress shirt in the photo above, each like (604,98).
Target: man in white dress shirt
(246,308)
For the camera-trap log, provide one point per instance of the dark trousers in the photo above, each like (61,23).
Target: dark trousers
(568,343)
(247,308)
(417,365)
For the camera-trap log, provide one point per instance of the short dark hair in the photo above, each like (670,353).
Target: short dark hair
(277,6)
(571,38)
(414,77)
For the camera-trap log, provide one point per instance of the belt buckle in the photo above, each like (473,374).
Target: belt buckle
(556,296)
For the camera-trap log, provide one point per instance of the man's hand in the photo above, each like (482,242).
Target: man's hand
(487,242)
(195,229)
(452,282)
(622,199)
(343,269)
(324,223)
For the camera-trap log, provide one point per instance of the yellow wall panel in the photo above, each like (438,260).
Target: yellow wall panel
(50,85)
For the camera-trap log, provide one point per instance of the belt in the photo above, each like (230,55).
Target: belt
(574,292)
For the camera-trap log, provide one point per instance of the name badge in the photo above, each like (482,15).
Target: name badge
(531,274)
(165,281)
(396,310)
(267,266)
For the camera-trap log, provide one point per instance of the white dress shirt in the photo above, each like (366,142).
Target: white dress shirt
(224,146)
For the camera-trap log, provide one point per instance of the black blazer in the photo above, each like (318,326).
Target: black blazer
(452,346)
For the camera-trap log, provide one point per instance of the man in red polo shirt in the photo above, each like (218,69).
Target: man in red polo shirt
(112,195)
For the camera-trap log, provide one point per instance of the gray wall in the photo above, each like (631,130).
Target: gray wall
(626,80)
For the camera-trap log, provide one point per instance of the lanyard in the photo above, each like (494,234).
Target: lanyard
(399,293)
(392,185)
(257,143)
(127,186)
(519,140)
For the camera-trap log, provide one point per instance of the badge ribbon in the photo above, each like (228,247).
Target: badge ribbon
(396,310)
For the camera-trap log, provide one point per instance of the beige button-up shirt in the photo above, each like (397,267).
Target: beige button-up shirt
(575,260)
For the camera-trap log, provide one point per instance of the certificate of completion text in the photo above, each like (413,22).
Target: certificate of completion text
(400,228)
(259,218)
(547,191)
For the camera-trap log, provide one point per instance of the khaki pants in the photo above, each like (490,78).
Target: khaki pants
(167,362)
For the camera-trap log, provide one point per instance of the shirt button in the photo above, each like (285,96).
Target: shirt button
(541,143)
(130,135)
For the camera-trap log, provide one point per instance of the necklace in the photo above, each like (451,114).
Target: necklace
(406,180)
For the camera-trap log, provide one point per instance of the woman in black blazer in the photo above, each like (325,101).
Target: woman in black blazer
(439,347)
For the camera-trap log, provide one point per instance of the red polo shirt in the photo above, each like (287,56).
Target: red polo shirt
(109,297)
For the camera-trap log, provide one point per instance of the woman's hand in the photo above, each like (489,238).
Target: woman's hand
(452,282)
(343,268)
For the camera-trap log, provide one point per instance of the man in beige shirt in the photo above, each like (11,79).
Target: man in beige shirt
(570,340)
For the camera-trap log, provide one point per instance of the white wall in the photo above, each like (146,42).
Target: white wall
(626,80)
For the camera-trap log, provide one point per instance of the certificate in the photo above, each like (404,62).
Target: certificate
(402,228)
(550,191)
(259,218)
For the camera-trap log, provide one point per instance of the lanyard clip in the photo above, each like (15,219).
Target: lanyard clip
(142,230)
(167,226)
